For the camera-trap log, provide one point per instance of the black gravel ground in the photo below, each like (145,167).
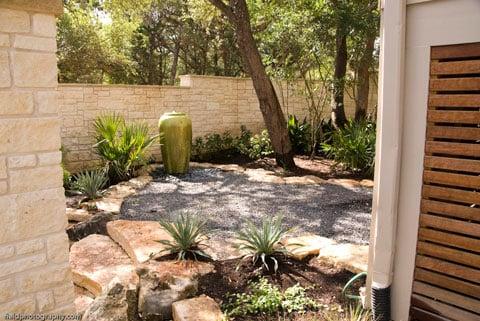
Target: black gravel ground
(226,199)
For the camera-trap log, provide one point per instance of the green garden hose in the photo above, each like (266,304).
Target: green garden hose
(349,284)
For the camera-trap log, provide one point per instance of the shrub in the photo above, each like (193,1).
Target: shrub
(353,146)
(67,178)
(300,135)
(213,146)
(266,298)
(258,146)
(187,234)
(224,146)
(262,244)
(90,183)
(122,146)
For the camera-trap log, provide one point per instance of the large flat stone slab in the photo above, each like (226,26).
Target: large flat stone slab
(306,245)
(351,257)
(96,260)
(202,308)
(304,180)
(264,176)
(78,214)
(138,238)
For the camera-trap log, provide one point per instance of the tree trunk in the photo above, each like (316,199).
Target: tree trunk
(339,118)
(176,53)
(269,105)
(363,84)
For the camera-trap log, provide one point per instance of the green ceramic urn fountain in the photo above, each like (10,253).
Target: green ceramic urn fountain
(176,142)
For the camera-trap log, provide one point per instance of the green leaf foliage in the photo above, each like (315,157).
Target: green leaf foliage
(300,135)
(265,298)
(353,146)
(122,146)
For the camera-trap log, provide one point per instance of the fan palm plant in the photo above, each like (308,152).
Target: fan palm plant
(188,234)
(263,243)
(122,146)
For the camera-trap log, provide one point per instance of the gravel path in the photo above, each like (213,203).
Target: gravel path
(227,199)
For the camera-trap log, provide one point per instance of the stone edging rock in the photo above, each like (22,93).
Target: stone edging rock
(266,176)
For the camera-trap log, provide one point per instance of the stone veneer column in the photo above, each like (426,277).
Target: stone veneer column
(34,270)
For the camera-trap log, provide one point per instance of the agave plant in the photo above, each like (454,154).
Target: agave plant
(188,234)
(263,243)
(90,183)
(122,146)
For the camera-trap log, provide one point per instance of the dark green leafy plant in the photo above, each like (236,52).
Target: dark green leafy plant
(188,233)
(90,183)
(266,298)
(262,244)
(300,135)
(258,146)
(213,147)
(122,146)
(67,178)
(353,147)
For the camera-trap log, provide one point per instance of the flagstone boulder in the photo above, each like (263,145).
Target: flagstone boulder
(83,299)
(157,291)
(202,308)
(96,260)
(306,245)
(97,224)
(117,303)
(78,214)
(352,257)
(138,238)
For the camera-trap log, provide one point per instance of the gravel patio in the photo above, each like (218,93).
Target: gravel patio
(227,199)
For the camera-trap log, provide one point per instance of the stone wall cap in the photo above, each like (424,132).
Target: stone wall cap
(54,7)
(121,85)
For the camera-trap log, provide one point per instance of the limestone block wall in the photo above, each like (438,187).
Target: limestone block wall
(215,104)
(34,269)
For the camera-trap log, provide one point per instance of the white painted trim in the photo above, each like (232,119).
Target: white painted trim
(388,151)
(409,2)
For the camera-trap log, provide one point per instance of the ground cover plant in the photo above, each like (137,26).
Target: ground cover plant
(122,146)
(264,297)
(188,234)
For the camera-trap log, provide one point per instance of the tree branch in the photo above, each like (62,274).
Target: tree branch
(224,8)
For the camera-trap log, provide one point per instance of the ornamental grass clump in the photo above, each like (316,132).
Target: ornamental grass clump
(90,183)
(188,234)
(262,244)
(123,147)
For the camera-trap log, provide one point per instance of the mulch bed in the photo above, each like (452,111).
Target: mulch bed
(323,283)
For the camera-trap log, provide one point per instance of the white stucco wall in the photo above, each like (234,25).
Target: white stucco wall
(428,23)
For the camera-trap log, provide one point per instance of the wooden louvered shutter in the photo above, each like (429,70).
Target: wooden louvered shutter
(447,271)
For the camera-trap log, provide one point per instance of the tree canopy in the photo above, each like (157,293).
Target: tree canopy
(154,41)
